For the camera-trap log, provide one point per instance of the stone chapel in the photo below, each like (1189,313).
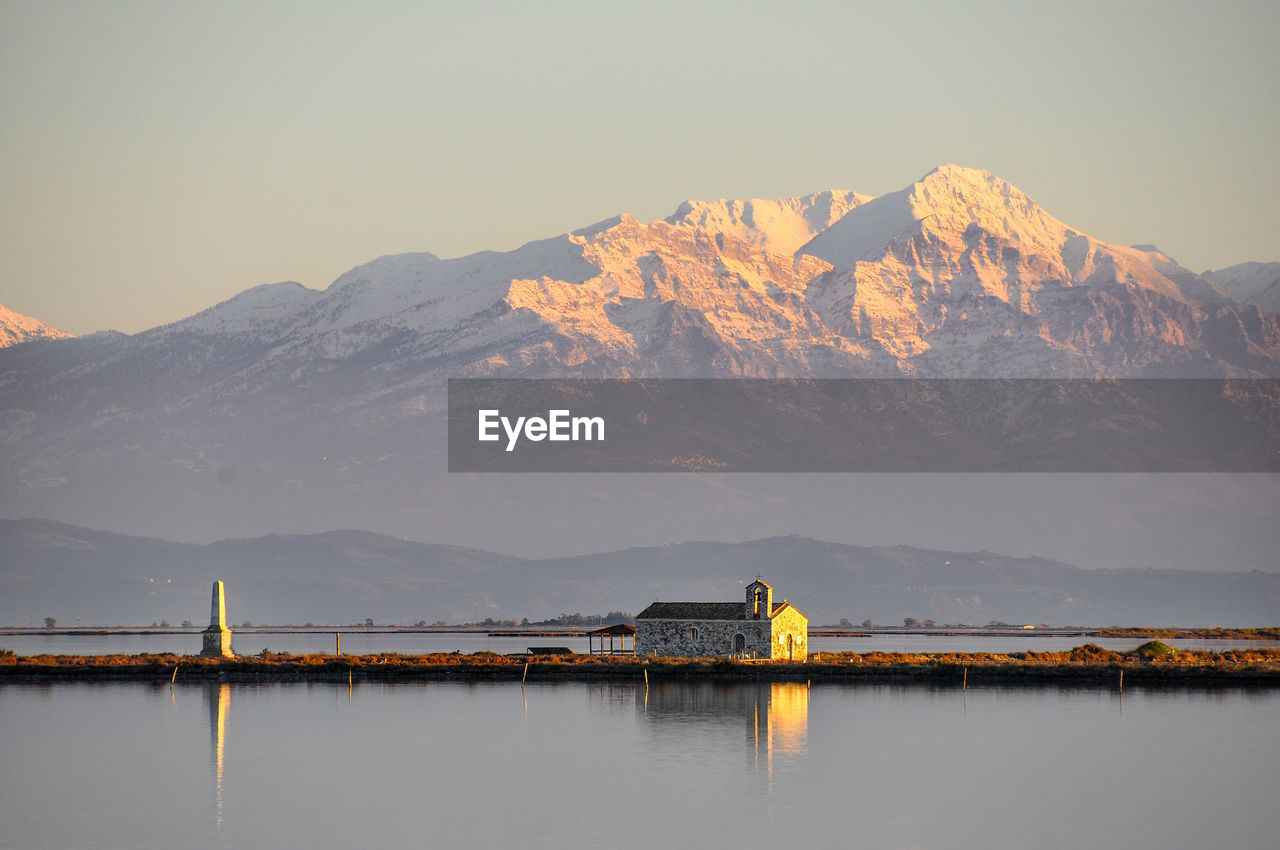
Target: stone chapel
(756,628)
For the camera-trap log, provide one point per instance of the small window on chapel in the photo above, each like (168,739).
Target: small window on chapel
(693,634)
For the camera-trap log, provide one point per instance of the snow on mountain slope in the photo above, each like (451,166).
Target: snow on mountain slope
(1194,287)
(777,226)
(16,328)
(261,310)
(610,298)
(422,295)
(1251,283)
(748,302)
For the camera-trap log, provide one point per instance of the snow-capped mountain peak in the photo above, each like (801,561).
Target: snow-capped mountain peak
(968,211)
(16,328)
(910,263)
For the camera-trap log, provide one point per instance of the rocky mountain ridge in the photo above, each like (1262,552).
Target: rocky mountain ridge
(958,275)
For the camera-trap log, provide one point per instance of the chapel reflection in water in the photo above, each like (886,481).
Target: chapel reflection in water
(774,717)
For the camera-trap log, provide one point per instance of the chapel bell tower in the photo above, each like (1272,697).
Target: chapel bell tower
(759,600)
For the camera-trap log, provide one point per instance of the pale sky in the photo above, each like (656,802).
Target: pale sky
(159,157)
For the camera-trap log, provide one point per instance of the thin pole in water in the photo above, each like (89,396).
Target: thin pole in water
(175,675)
(525,673)
(965,685)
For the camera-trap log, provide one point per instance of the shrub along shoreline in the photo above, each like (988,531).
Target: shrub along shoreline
(1152,664)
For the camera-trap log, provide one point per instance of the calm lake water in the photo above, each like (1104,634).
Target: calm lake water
(355,642)
(676,765)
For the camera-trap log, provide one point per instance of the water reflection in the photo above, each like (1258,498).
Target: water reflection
(588,766)
(788,716)
(775,717)
(219,699)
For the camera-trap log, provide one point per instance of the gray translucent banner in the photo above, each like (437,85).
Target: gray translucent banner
(903,425)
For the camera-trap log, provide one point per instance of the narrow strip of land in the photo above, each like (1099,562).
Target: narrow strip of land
(1152,664)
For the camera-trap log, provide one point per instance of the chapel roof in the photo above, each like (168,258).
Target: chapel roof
(698,611)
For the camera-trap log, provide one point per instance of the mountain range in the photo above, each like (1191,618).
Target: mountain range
(95,578)
(291,409)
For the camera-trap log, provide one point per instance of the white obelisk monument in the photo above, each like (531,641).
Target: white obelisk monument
(217,638)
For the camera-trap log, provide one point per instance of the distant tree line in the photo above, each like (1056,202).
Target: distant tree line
(574,620)
(610,619)
(917,623)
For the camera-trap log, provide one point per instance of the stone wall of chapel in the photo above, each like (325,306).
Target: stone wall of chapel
(714,637)
(789,622)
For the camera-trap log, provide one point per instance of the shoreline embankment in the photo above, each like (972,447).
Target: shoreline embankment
(1084,666)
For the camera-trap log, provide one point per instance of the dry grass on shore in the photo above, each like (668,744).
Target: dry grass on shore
(1153,660)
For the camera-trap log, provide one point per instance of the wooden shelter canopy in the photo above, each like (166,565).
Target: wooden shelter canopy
(619,630)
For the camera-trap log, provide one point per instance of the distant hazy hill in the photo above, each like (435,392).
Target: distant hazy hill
(52,569)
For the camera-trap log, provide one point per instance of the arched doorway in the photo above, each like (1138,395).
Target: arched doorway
(739,643)
(791,648)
